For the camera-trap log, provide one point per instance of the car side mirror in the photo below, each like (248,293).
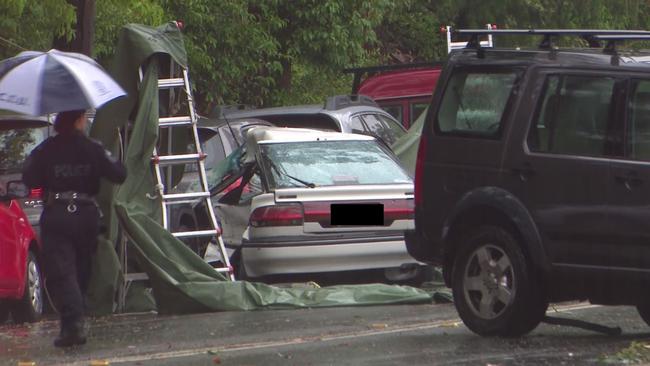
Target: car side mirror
(17,189)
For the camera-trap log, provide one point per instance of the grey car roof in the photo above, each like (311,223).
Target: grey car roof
(338,114)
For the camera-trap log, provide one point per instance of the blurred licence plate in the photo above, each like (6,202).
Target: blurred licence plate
(357,214)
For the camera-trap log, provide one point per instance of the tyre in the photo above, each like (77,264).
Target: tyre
(4,312)
(30,307)
(644,311)
(493,289)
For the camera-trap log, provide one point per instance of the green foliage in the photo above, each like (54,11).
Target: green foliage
(112,15)
(33,24)
(636,353)
(229,51)
(270,52)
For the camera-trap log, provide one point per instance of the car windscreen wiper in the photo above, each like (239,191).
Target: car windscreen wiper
(277,170)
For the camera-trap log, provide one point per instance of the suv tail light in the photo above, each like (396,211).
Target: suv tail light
(279,215)
(419,168)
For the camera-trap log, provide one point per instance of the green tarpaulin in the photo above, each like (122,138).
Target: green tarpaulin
(182,282)
(406,147)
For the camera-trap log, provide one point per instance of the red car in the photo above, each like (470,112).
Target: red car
(21,282)
(402,90)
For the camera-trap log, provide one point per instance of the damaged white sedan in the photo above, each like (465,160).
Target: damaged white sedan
(306,201)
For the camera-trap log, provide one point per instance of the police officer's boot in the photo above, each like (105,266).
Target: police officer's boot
(72,333)
(65,338)
(79,332)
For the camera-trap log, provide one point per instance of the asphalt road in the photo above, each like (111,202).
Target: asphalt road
(381,335)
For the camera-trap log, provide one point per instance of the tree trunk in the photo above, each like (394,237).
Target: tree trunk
(84,30)
(285,78)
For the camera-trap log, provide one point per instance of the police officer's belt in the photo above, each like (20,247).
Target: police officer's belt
(69,196)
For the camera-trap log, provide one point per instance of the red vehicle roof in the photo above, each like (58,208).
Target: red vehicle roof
(400,83)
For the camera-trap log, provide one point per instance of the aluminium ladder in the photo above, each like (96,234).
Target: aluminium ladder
(164,163)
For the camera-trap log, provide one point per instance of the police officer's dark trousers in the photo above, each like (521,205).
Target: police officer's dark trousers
(69,235)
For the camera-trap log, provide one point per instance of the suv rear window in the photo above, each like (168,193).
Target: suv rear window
(474,102)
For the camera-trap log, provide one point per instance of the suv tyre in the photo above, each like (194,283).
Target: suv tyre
(492,286)
(4,312)
(30,307)
(644,311)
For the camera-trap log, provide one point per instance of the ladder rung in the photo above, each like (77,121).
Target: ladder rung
(177,159)
(223,269)
(139,276)
(191,234)
(175,121)
(175,197)
(171,83)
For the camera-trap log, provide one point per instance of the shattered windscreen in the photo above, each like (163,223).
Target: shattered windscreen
(329,163)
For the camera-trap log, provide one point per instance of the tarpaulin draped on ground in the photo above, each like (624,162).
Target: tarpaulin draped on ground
(182,282)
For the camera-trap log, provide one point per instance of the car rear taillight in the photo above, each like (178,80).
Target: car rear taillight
(279,215)
(419,169)
(36,193)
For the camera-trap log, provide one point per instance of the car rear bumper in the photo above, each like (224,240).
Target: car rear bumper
(330,255)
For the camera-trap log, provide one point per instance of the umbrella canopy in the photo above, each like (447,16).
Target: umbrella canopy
(38,83)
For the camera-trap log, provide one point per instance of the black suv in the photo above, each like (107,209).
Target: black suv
(533,177)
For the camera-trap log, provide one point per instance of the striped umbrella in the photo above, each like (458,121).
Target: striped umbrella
(38,83)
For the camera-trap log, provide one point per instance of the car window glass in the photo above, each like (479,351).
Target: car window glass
(474,102)
(573,116)
(16,145)
(356,126)
(328,163)
(215,150)
(395,110)
(396,128)
(638,125)
(417,109)
(377,128)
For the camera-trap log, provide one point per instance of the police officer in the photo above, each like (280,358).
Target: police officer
(68,167)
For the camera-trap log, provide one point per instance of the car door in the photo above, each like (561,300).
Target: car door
(559,166)
(10,246)
(629,183)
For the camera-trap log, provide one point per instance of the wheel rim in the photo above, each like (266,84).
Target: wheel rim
(34,287)
(489,282)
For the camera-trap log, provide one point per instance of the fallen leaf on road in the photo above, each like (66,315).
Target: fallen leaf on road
(379,326)
(450,325)
(216,361)
(211,352)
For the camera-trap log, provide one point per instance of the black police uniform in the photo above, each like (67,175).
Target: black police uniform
(68,167)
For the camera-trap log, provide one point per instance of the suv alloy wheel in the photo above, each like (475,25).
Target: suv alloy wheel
(492,285)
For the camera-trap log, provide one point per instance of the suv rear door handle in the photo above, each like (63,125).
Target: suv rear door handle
(629,180)
(524,172)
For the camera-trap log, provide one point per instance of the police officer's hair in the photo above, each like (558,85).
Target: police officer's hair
(64,121)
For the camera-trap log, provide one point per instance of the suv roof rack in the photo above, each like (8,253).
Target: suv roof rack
(592,36)
(342,101)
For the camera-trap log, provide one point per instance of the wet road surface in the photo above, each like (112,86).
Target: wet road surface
(382,335)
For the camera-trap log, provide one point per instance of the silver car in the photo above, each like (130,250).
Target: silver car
(308,201)
(341,113)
